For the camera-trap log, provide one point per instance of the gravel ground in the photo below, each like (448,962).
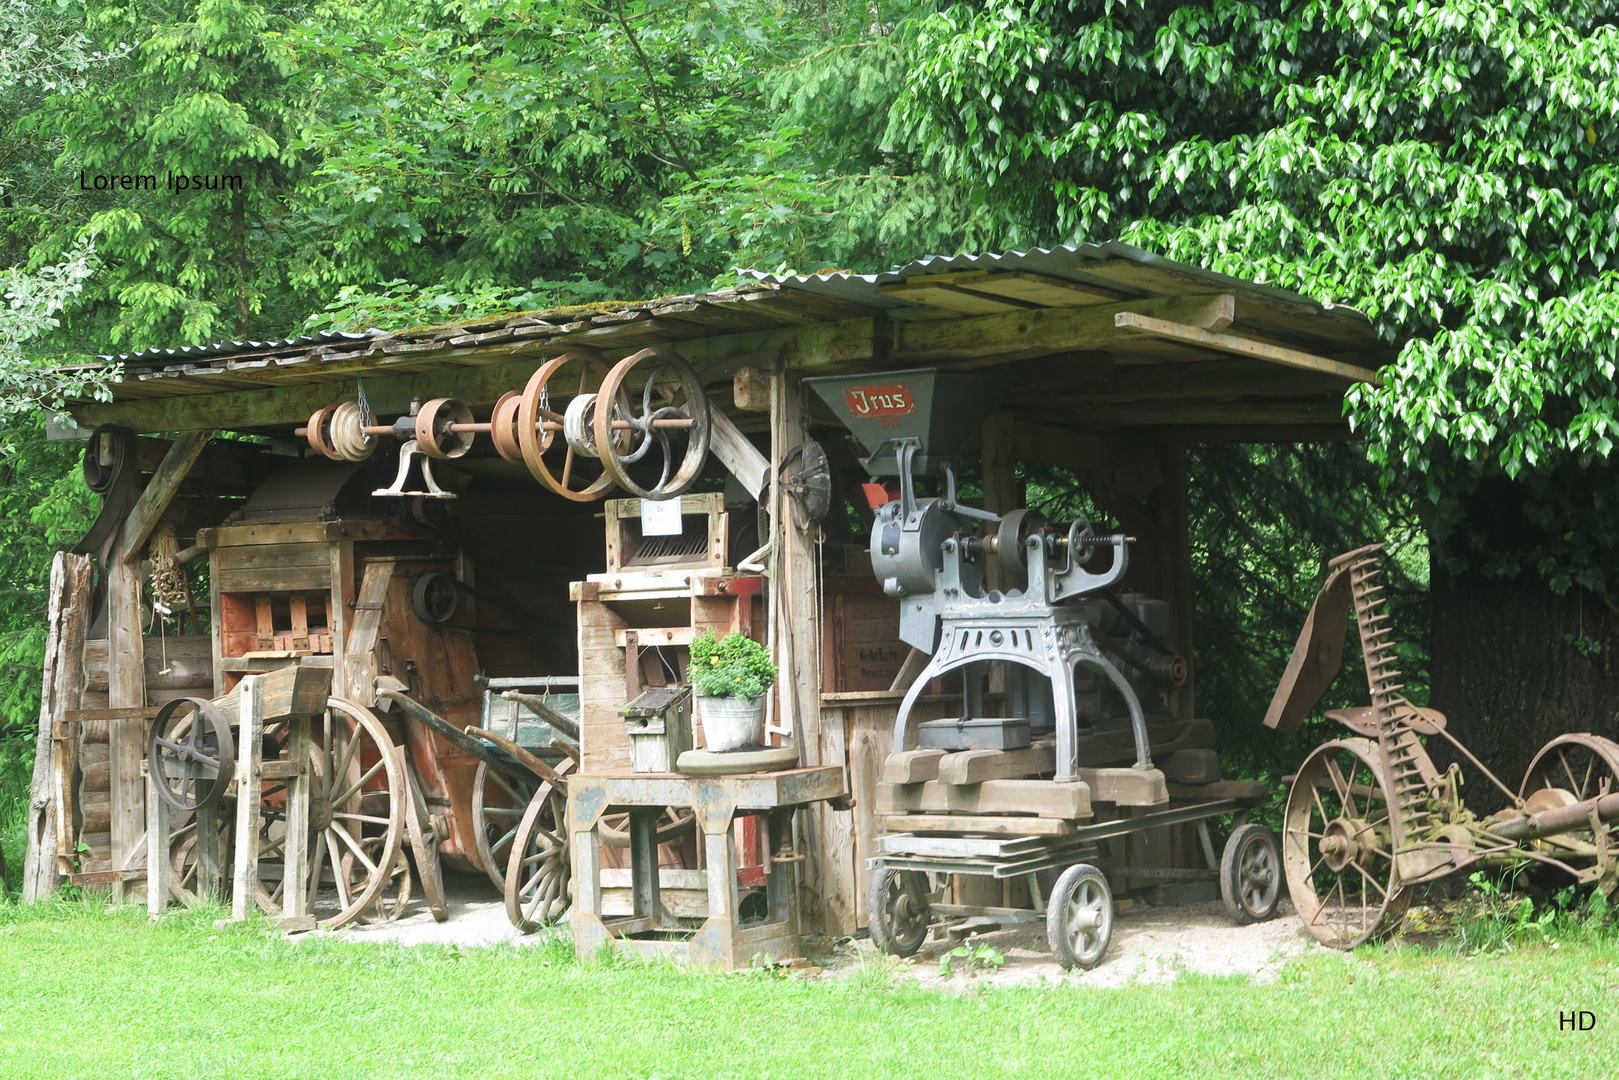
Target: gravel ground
(1150,944)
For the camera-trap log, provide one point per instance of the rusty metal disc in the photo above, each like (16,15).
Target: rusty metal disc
(503,427)
(670,389)
(536,440)
(433,432)
(318,434)
(193,758)
(346,433)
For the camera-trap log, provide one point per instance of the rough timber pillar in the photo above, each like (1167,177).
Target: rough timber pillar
(829,878)
(126,689)
(67,619)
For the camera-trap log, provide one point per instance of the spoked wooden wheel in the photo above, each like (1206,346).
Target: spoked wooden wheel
(1079,917)
(499,799)
(539,867)
(897,907)
(660,397)
(1338,846)
(394,898)
(184,856)
(425,832)
(356,812)
(191,753)
(540,417)
(672,825)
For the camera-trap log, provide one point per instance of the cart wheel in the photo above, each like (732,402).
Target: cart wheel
(1079,917)
(425,833)
(183,857)
(540,868)
(898,910)
(394,898)
(1251,874)
(498,801)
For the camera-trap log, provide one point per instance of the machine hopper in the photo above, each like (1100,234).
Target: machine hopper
(939,409)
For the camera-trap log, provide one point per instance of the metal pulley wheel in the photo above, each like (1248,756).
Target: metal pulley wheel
(191,754)
(503,427)
(109,450)
(433,434)
(1012,534)
(670,405)
(538,420)
(338,432)
(434,598)
(578,425)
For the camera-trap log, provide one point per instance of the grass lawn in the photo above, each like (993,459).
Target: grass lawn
(93,994)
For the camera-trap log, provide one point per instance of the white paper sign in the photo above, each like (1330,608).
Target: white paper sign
(660,517)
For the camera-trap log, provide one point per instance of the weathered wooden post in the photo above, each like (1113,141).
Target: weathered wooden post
(249,782)
(67,616)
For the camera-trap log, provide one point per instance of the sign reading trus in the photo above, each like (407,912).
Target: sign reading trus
(885,403)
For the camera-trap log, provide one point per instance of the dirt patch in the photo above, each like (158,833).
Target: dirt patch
(1150,945)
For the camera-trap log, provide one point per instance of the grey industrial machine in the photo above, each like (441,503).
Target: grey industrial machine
(1073,652)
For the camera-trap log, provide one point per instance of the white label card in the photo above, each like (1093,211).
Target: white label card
(660,517)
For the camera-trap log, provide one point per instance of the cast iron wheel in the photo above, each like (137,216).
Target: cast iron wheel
(539,418)
(191,753)
(1571,769)
(1251,874)
(669,391)
(1338,846)
(897,908)
(1079,917)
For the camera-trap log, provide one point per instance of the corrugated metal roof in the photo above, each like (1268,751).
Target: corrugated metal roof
(1069,263)
(231,348)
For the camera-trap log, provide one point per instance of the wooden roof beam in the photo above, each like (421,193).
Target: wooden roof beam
(1229,343)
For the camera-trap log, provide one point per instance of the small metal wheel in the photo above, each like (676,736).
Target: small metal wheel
(1338,846)
(1251,874)
(1079,917)
(539,870)
(191,753)
(498,802)
(433,423)
(897,908)
(670,405)
(425,833)
(539,419)
(503,427)
(1571,769)
(434,598)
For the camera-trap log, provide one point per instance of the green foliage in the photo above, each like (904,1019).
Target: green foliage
(1445,167)
(975,959)
(1499,919)
(731,666)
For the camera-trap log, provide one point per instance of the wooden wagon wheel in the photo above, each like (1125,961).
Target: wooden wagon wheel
(534,439)
(669,389)
(183,856)
(539,868)
(191,753)
(1571,769)
(394,898)
(425,832)
(1338,846)
(615,828)
(356,816)
(499,799)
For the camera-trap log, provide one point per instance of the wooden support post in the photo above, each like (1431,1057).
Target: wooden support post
(157,850)
(295,861)
(126,689)
(249,783)
(149,508)
(1175,568)
(67,616)
(210,882)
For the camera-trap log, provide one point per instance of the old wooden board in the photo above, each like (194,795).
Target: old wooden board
(67,617)
(1041,798)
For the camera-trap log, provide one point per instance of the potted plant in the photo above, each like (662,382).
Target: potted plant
(731,675)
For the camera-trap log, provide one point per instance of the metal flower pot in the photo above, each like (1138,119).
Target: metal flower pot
(731,723)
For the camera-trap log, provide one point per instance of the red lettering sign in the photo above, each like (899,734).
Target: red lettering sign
(879,402)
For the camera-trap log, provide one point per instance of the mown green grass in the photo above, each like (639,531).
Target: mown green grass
(85,993)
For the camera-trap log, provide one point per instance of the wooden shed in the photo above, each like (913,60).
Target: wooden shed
(1115,360)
